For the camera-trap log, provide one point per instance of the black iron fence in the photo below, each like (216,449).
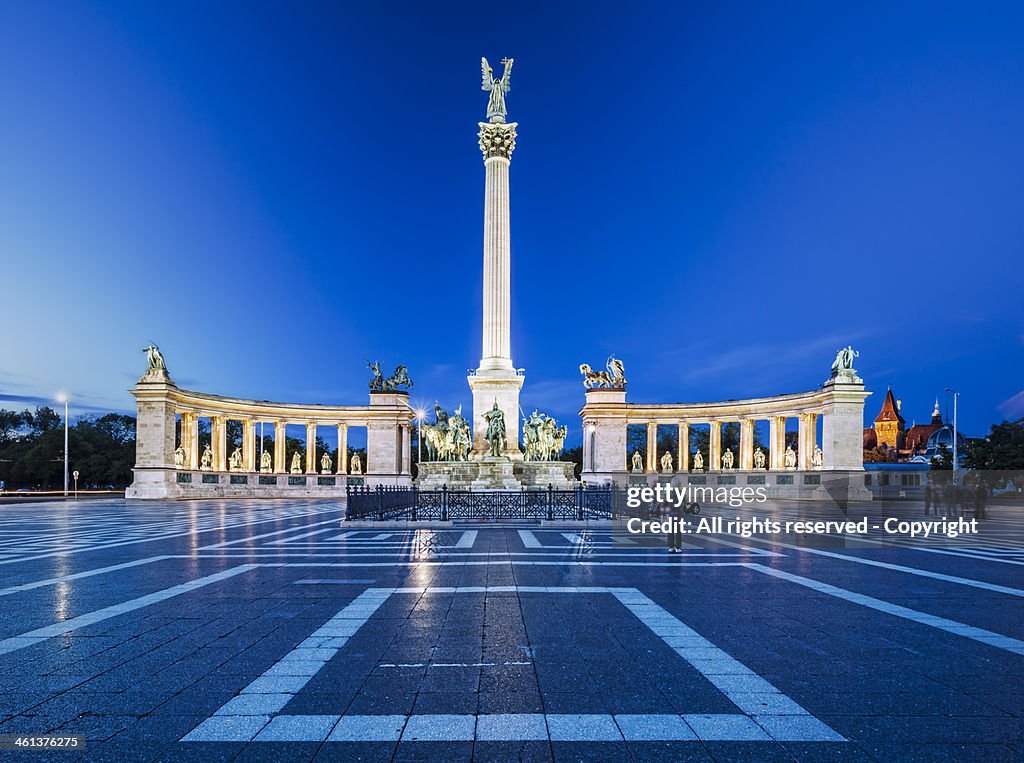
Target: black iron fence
(410,503)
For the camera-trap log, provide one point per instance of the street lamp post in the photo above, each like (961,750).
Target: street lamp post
(956,461)
(63,398)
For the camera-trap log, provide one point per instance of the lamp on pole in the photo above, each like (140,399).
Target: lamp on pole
(956,462)
(63,398)
(420,415)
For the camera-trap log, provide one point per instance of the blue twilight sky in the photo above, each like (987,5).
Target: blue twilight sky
(721,194)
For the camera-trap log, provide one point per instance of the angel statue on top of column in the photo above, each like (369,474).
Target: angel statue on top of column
(497,88)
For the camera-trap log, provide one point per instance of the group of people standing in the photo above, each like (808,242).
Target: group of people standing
(955,499)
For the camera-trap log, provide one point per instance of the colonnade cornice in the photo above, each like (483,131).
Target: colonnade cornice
(241,409)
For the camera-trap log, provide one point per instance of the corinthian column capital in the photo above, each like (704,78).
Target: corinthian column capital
(497,140)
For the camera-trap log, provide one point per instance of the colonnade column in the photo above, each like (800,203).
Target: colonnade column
(310,448)
(715,446)
(279,446)
(193,440)
(777,442)
(220,430)
(803,460)
(406,449)
(342,448)
(652,447)
(746,444)
(683,462)
(249,445)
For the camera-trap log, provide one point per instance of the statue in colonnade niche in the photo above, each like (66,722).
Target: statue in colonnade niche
(179,457)
(698,461)
(296,467)
(325,464)
(206,461)
(638,462)
(817,457)
(265,462)
(790,457)
(235,461)
(727,459)
(357,464)
(666,462)
(759,459)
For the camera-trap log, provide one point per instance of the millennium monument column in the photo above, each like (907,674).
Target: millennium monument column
(496,380)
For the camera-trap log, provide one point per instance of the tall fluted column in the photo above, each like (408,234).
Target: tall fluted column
(496,380)
(497,141)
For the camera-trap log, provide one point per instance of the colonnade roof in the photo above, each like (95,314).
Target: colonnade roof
(759,408)
(389,407)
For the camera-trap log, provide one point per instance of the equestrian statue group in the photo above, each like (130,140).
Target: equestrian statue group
(448,438)
(543,439)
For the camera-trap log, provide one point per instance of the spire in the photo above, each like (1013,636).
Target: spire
(890,411)
(937,414)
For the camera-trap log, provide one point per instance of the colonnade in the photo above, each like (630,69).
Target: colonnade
(189,441)
(807,441)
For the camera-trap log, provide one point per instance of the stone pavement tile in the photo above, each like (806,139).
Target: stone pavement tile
(255,704)
(586,727)
(228,728)
(941,753)
(669,752)
(351,752)
(640,728)
(363,728)
(797,728)
(510,702)
(591,752)
(512,727)
(381,703)
(728,728)
(459,702)
(277,752)
(816,752)
(297,728)
(511,752)
(441,728)
(432,752)
(212,752)
(749,752)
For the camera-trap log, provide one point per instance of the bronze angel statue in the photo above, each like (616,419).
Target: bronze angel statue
(497,88)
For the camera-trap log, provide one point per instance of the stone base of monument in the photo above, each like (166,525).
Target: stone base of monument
(495,474)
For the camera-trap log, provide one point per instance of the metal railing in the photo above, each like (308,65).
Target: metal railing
(385,502)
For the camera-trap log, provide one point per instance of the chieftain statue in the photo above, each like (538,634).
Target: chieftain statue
(613,378)
(495,419)
(497,88)
(543,439)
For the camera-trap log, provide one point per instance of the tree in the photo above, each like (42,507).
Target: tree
(575,455)
(1003,449)
(43,420)
(943,460)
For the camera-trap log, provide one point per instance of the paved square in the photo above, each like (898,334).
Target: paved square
(267,629)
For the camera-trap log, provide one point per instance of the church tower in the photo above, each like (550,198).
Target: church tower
(889,424)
